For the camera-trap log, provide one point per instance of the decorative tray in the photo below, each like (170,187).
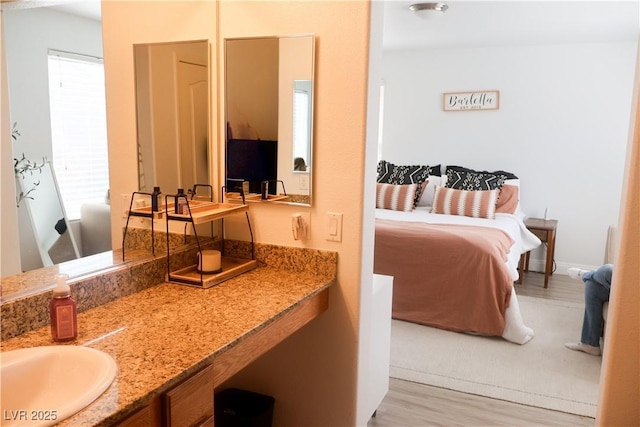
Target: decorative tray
(231,267)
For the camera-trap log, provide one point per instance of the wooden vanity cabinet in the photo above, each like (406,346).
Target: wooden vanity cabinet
(149,416)
(189,404)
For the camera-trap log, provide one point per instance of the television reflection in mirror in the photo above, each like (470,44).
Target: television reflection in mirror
(253,161)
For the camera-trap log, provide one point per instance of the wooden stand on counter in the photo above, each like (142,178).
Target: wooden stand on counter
(145,212)
(201,212)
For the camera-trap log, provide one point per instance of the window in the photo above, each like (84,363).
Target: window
(78,129)
(302,125)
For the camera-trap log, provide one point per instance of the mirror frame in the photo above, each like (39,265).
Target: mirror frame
(305,176)
(47,208)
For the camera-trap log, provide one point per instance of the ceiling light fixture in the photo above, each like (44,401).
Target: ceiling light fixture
(428,9)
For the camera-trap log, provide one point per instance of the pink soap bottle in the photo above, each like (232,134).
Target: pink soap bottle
(63,312)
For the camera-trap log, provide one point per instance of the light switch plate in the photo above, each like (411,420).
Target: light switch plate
(334,227)
(125,202)
(304,181)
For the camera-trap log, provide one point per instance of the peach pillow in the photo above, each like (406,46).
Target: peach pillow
(508,199)
(396,197)
(476,204)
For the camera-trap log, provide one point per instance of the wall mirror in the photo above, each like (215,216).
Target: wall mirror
(29,31)
(269,116)
(172,103)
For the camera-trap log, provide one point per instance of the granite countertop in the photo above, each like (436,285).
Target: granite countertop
(162,335)
(42,279)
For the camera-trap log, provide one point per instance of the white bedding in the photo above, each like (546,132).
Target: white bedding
(515,330)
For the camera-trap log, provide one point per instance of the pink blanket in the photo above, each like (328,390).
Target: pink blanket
(452,277)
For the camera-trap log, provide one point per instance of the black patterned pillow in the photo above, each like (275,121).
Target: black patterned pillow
(383,166)
(435,170)
(508,175)
(389,173)
(470,180)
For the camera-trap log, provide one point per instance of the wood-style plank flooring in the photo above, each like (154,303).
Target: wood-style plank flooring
(418,405)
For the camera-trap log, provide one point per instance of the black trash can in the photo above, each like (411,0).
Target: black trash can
(242,408)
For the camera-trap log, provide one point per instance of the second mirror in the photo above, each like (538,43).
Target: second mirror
(269,117)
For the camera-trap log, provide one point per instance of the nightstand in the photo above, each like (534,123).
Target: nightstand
(545,230)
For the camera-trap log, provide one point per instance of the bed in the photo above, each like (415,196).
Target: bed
(452,270)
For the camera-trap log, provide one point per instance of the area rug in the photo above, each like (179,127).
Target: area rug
(541,373)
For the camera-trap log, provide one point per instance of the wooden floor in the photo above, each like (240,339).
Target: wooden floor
(418,405)
(560,287)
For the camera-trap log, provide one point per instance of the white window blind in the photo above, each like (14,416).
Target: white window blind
(300,124)
(78,129)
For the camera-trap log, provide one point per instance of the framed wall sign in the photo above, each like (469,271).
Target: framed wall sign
(471,101)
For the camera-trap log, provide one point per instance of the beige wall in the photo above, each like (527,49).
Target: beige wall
(126,23)
(313,374)
(252,80)
(620,379)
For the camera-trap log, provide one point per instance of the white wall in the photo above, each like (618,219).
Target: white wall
(370,337)
(562,127)
(29,34)
(9,257)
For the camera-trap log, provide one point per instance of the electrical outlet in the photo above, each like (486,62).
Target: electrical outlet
(301,225)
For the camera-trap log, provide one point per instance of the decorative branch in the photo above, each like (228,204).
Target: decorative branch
(23,166)
(20,197)
(14,131)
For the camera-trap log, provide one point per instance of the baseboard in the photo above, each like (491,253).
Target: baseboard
(560,267)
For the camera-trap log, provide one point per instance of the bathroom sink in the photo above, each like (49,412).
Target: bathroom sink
(44,385)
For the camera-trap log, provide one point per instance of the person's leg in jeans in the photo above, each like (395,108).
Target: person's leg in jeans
(596,292)
(595,295)
(601,275)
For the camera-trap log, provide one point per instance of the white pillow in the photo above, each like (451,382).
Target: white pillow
(429,192)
